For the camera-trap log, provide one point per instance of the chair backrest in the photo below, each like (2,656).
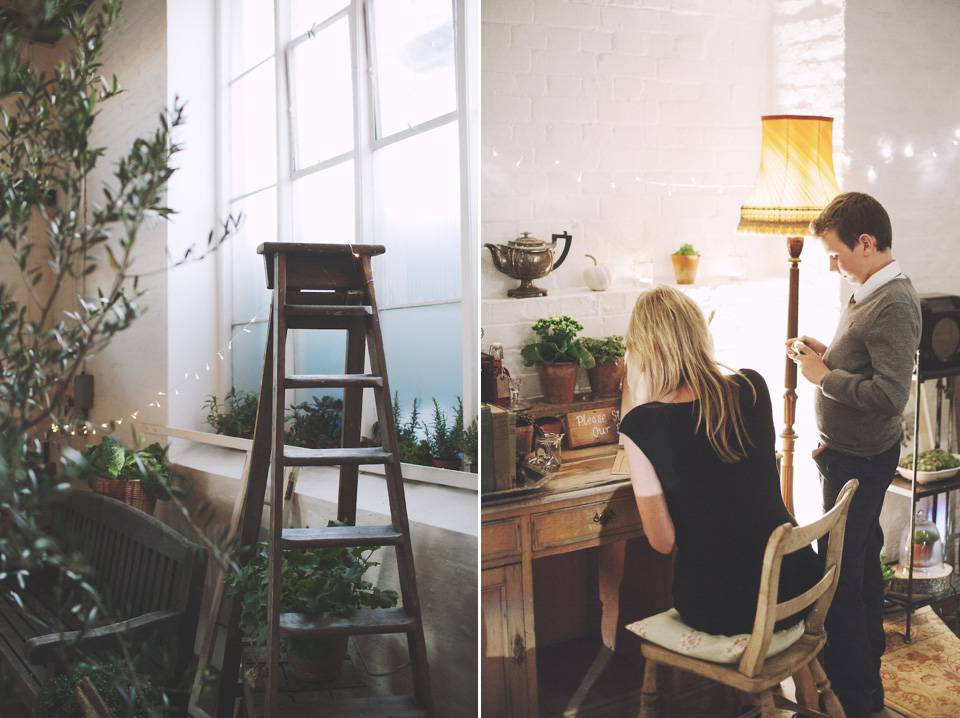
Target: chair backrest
(784,540)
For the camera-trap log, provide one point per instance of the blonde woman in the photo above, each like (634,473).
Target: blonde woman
(704,471)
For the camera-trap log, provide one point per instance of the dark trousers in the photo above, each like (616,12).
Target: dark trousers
(855,638)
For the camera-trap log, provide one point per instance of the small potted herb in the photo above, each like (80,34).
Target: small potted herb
(137,477)
(470,445)
(238,415)
(685,262)
(318,580)
(444,441)
(524,433)
(558,355)
(606,375)
(412,448)
(315,425)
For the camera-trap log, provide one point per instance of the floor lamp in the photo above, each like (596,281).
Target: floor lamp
(795,182)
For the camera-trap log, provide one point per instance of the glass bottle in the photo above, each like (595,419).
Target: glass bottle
(501,377)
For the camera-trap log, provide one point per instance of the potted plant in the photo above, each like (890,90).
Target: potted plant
(316,425)
(444,441)
(319,580)
(137,477)
(524,433)
(238,416)
(606,375)
(412,448)
(685,261)
(558,356)
(470,445)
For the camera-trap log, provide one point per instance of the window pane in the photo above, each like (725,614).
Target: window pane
(417,212)
(247,354)
(322,95)
(305,14)
(252,35)
(318,352)
(323,206)
(414,54)
(259,224)
(253,131)
(423,347)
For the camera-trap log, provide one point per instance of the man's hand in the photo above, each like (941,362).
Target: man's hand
(807,353)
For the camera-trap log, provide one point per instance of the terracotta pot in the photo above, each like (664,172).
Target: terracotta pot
(453,464)
(548,425)
(324,671)
(558,381)
(605,378)
(685,267)
(524,440)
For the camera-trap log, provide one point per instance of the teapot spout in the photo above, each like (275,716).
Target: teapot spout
(496,251)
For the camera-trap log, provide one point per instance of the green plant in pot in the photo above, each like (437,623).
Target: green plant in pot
(685,262)
(606,375)
(524,432)
(470,444)
(237,415)
(137,477)
(445,442)
(319,580)
(558,355)
(315,425)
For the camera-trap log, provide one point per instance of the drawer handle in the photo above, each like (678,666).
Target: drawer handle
(604,517)
(519,650)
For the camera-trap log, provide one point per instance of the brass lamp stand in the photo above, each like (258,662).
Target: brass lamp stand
(795,182)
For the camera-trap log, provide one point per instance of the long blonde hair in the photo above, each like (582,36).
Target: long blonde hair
(668,347)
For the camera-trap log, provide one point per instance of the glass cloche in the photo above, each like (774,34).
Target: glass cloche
(927,546)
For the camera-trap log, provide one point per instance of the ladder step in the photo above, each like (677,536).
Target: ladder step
(343,536)
(319,381)
(363,621)
(320,705)
(296,456)
(327,310)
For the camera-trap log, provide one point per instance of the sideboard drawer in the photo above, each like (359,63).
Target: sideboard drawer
(500,539)
(584,523)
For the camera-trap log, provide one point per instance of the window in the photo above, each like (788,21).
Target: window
(344,126)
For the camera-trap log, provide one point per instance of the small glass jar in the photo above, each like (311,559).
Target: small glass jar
(927,546)
(548,452)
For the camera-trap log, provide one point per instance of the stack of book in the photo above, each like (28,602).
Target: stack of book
(498,448)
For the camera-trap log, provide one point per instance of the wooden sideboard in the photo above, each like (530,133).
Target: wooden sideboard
(564,568)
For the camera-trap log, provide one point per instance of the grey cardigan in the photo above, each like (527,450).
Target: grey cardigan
(871,361)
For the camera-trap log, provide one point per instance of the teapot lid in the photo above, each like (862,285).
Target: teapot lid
(529,244)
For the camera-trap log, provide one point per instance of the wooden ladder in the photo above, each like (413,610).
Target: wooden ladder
(319,287)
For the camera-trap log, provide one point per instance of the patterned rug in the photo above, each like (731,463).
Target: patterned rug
(921,679)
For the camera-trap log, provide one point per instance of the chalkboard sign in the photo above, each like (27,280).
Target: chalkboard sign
(597,426)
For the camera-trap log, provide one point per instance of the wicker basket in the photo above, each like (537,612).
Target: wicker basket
(129,492)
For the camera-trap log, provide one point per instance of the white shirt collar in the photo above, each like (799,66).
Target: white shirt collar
(877,280)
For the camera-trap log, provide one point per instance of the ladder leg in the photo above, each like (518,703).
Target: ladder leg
(275,562)
(352,415)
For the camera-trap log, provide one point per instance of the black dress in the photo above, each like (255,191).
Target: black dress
(723,514)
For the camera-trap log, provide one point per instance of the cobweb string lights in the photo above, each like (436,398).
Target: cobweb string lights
(86,427)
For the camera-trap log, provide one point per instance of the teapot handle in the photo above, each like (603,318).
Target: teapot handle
(566,247)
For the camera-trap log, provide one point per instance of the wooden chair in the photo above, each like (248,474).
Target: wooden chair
(756,673)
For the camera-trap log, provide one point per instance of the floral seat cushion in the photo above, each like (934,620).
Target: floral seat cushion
(667,630)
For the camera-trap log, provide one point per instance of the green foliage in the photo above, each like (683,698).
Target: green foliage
(317,580)
(605,349)
(111,459)
(686,250)
(238,415)
(124,694)
(412,448)
(316,425)
(558,343)
(445,442)
(470,444)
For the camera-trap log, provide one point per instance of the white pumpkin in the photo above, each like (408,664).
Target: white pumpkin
(598,277)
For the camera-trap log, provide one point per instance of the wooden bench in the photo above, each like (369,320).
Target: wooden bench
(149,576)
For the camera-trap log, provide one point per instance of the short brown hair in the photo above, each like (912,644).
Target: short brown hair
(854,213)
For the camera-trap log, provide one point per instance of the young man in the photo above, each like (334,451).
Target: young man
(863,382)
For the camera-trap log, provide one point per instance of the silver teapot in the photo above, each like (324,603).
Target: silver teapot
(527,258)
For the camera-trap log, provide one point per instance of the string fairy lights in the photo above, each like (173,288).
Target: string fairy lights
(85,427)
(888,151)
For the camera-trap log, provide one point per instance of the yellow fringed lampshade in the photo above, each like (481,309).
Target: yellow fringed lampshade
(796,179)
